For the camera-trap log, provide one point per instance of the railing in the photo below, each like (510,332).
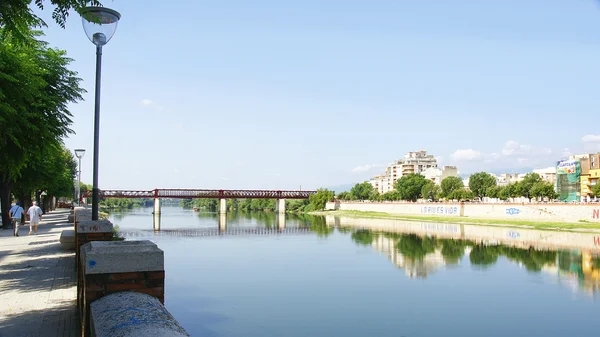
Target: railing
(203,193)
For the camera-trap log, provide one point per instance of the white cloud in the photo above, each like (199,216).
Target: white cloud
(514,148)
(466,155)
(591,139)
(147,102)
(366,168)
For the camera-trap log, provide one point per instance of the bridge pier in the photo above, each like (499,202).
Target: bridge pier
(281,221)
(156,214)
(222,206)
(280,206)
(222,222)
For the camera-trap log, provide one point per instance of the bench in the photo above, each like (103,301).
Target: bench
(67,239)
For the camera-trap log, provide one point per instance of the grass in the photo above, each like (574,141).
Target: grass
(571,226)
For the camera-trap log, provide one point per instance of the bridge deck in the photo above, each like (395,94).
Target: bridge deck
(182,193)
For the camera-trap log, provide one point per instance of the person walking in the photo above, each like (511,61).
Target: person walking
(16,213)
(35,216)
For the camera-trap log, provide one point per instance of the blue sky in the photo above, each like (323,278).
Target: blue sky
(283,94)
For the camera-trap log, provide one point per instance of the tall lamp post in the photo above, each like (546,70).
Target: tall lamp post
(79,154)
(99,24)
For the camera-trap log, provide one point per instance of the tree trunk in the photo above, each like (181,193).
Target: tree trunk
(5,201)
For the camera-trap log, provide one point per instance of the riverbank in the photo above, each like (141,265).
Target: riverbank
(545,225)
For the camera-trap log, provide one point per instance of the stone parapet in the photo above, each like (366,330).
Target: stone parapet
(110,267)
(132,314)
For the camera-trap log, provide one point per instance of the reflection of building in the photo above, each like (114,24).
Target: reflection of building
(413,162)
(412,267)
(578,271)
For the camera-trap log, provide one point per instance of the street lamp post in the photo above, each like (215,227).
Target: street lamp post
(99,24)
(79,154)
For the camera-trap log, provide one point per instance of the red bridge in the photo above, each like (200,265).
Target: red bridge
(207,194)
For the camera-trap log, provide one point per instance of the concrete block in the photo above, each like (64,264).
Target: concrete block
(94,226)
(71,218)
(132,314)
(105,257)
(67,239)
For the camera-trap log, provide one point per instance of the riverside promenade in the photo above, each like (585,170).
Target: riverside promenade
(37,281)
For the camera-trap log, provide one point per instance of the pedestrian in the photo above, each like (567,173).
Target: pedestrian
(16,212)
(35,216)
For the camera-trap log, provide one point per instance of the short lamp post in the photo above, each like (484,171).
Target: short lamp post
(79,154)
(99,24)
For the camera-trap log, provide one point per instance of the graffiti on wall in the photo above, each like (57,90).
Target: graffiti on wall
(596,214)
(513,211)
(449,210)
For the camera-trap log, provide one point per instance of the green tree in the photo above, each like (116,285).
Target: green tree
(480,182)
(34,116)
(344,196)
(413,246)
(317,201)
(483,255)
(596,190)
(16,16)
(451,184)
(363,237)
(391,196)
(362,191)
(525,185)
(461,194)
(543,189)
(431,191)
(409,186)
(493,192)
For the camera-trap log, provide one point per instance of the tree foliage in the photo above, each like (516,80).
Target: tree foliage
(362,191)
(480,182)
(317,201)
(36,88)
(451,184)
(431,191)
(17,16)
(596,190)
(409,186)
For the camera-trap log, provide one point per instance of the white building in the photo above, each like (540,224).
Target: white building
(548,174)
(437,174)
(413,162)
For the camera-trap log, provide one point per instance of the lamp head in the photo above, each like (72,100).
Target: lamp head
(79,153)
(99,24)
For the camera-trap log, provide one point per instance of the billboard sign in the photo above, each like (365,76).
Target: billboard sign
(566,167)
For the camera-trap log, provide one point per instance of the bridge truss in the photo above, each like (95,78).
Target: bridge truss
(204,194)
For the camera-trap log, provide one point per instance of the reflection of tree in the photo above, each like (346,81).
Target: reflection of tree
(453,250)
(363,237)
(319,226)
(532,259)
(412,246)
(345,229)
(483,255)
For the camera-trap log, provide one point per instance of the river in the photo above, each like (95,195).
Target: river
(316,276)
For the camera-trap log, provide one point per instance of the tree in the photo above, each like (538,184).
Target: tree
(543,189)
(451,184)
(344,196)
(493,192)
(409,186)
(390,196)
(461,194)
(525,185)
(431,191)
(480,182)
(34,116)
(362,191)
(596,190)
(16,16)
(317,201)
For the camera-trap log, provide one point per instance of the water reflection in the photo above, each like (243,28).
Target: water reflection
(422,255)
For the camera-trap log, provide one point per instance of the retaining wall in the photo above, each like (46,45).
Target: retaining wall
(504,211)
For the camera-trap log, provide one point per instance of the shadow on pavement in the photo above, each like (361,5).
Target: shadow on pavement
(58,320)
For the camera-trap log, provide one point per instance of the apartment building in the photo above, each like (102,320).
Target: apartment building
(590,173)
(413,162)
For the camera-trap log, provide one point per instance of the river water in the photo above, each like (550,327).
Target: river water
(257,275)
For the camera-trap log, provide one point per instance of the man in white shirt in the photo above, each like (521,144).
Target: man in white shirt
(16,212)
(35,216)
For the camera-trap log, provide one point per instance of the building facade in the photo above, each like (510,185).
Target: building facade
(413,162)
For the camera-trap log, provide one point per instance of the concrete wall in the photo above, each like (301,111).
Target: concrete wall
(504,211)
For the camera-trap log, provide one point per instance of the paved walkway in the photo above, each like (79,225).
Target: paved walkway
(37,281)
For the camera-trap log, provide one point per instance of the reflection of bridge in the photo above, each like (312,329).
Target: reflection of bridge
(222,195)
(240,231)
